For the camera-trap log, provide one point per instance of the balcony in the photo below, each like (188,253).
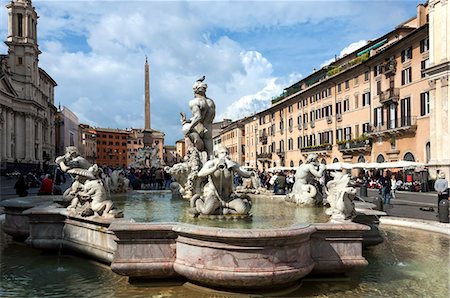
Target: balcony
(291,128)
(338,117)
(280,152)
(355,145)
(390,95)
(312,124)
(323,147)
(329,119)
(305,125)
(263,139)
(264,156)
(394,127)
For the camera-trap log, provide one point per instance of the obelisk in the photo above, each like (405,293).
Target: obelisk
(148,140)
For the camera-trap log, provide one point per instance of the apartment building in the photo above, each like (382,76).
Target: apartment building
(87,140)
(112,147)
(373,105)
(135,142)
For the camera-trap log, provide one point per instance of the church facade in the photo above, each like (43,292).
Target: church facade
(27,110)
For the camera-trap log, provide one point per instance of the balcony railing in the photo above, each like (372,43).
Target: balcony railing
(264,156)
(312,124)
(338,117)
(355,145)
(323,147)
(329,119)
(390,95)
(401,124)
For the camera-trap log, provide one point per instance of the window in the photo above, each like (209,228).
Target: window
(378,87)
(299,142)
(366,99)
(339,108)
(299,120)
(19,61)
(356,101)
(19,25)
(346,105)
(365,128)
(366,75)
(378,117)
(405,111)
(290,144)
(424,103)
(290,123)
(377,70)
(407,54)
(348,133)
(318,114)
(406,76)
(290,108)
(339,87)
(424,64)
(339,135)
(424,45)
(311,116)
(347,84)
(356,80)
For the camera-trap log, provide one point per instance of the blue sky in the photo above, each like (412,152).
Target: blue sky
(249,52)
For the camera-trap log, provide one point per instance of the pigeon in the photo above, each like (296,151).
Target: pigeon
(201,79)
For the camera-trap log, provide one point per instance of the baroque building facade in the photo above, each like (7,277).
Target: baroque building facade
(27,111)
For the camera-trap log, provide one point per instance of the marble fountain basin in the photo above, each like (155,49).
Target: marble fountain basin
(210,256)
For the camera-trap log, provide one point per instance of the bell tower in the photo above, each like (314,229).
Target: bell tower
(23,49)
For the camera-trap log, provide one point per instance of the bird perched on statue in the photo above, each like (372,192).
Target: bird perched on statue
(201,79)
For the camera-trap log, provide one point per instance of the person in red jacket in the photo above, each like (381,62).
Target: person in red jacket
(46,186)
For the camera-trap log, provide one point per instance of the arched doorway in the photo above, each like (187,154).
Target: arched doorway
(361,159)
(380,158)
(409,157)
(335,160)
(291,163)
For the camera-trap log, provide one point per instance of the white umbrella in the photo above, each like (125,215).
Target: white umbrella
(339,166)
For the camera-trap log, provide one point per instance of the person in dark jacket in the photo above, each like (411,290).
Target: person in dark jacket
(386,186)
(21,186)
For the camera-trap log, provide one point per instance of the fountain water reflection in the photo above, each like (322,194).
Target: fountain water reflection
(267,213)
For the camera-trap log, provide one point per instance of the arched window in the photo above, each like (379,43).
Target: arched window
(300,162)
(380,158)
(427,152)
(409,157)
(324,162)
(274,164)
(361,159)
(291,163)
(335,160)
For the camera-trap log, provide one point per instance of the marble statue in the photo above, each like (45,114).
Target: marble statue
(198,129)
(251,185)
(146,158)
(218,196)
(340,197)
(117,182)
(304,190)
(87,194)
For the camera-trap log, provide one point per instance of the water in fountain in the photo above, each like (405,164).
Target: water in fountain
(25,272)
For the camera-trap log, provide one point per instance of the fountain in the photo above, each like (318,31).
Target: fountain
(214,255)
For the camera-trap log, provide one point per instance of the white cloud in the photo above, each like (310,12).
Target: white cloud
(345,51)
(95,51)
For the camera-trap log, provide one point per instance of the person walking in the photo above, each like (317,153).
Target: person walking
(385,182)
(393,186)
(441,186)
